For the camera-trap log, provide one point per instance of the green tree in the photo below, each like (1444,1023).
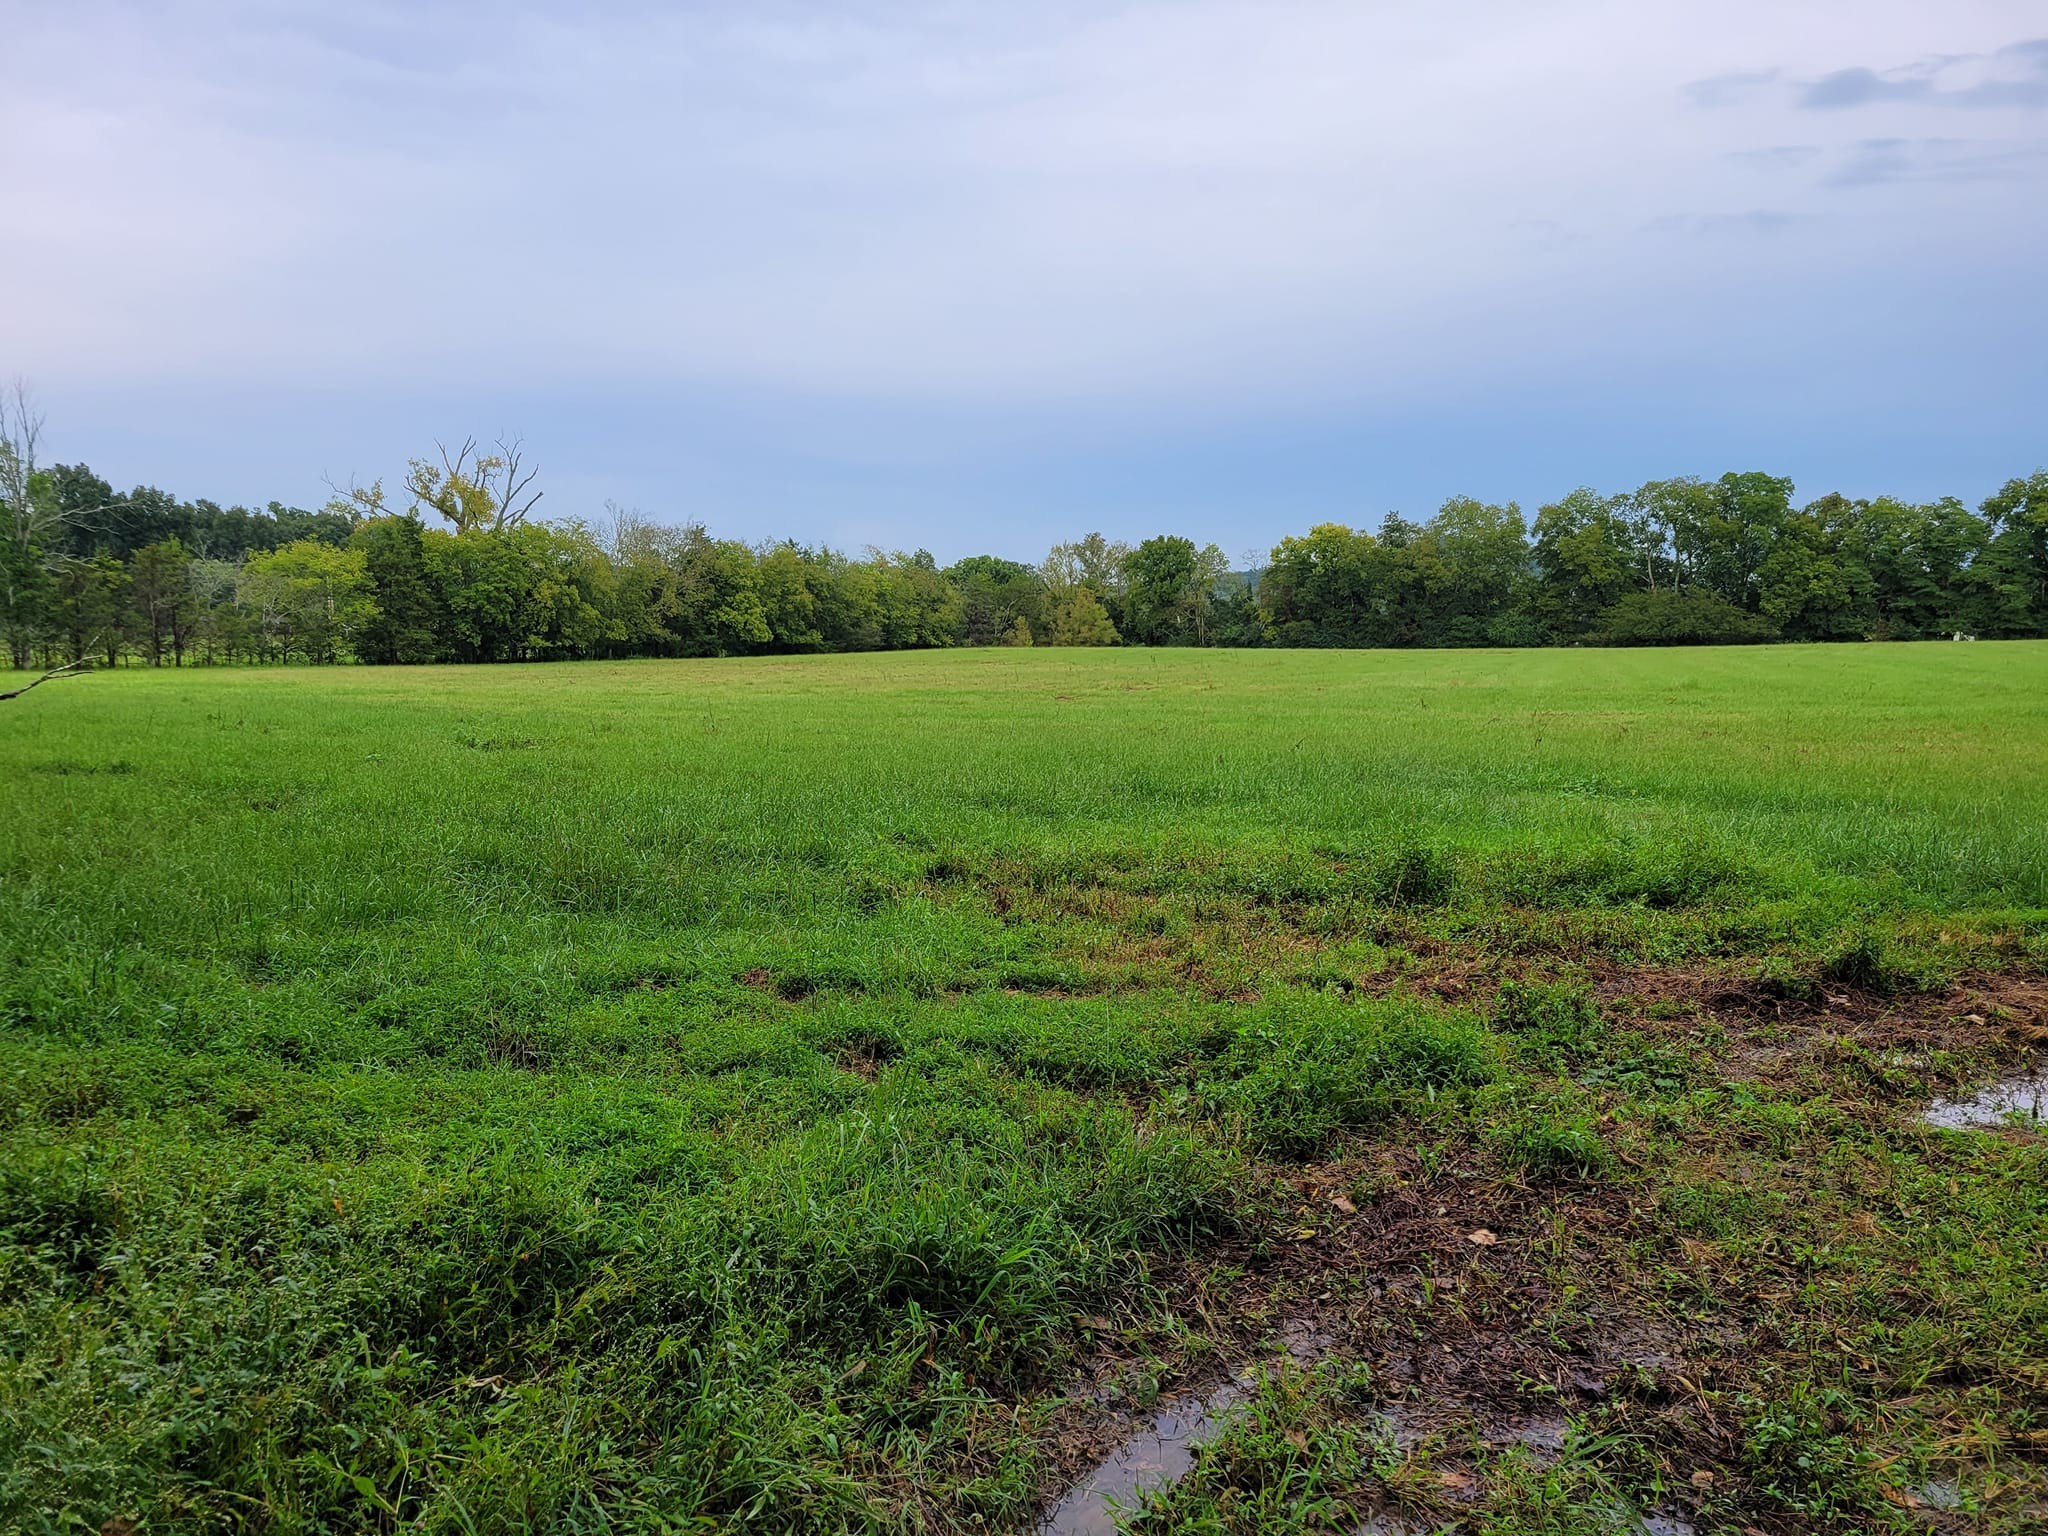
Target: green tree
(2012,577)
(1321,588)
(1092,562)
(1477,572)
(572,595)
(1692,617)
(1236,619)
(994,594)
(1584,563)
(165,606)
(921,608)
(1654,513)
(406,625)
(1920,559)
(1170,590)
(1811,583)
(1081,620)
(482,586)
(224,630)
(89,606)
(307,598)
(784,576)
(24,599)
(1723,538)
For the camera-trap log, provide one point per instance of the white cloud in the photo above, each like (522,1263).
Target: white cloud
(1121,202)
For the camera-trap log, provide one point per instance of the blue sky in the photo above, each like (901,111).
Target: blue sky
(981,277)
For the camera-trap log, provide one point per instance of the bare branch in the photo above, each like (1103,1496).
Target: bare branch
(69,669)
(354,500)
(456,469)
(511,509)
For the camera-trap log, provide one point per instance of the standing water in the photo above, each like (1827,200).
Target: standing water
(2025,1096)
(1149,1459)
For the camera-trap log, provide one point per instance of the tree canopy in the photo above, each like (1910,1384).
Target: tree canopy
(466,573)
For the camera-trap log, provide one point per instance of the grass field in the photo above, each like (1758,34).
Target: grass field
(849,1093)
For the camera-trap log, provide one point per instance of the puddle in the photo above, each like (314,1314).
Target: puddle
(1394,1525)
(1544,1435)
(2025,1096)
(1940,1494)
(1163,1452)
(1150,1459)
(1625,1520)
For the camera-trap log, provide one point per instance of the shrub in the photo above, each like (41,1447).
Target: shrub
(1681,618)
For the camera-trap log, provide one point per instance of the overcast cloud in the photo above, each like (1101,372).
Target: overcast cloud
(979,276)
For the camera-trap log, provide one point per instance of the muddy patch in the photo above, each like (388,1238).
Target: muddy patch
(1398,1282)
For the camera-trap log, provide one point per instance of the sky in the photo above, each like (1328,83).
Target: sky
(977,277)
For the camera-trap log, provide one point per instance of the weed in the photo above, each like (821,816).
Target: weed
(1550,1137)
(1301,1070)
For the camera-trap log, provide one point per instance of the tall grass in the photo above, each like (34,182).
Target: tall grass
(627,1095)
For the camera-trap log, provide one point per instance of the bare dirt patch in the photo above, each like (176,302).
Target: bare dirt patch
(1471,1298)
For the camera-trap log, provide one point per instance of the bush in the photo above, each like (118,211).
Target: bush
(1859,960)
(1681,618)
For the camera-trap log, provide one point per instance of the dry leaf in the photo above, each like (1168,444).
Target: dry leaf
(1482,1237)
(1343,1204)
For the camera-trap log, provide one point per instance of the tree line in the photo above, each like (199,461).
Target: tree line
(462,571)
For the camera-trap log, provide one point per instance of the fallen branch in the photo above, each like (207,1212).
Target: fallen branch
(69,668)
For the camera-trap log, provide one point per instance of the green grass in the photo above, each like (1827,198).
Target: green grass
(736,1095)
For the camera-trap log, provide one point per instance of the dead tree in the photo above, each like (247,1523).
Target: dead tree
(21,431)
(477,491)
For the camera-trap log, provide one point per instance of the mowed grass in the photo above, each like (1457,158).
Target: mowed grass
(745,1094)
